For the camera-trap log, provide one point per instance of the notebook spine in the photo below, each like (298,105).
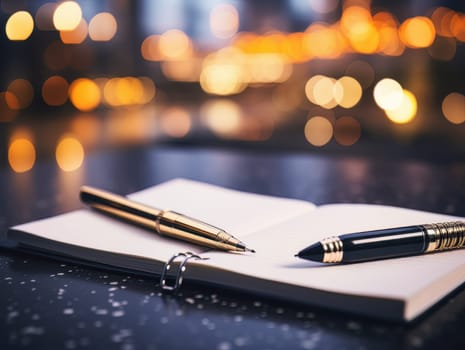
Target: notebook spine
(183,258)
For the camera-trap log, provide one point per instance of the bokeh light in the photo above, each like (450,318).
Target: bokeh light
(8,106)
(150,48)
(319,89)
(347,130)
(222,78)
(322,41)
(176,122)
(102,27)
(69,154)
(84,94)
(67,15)
(127,91)
(457,26)
(55,91)
(318,131)
(175,44)
(347,92)
(442,19)
(266,68)
(222,116)
(405,111)
(21,155)
(187,70)
(87,128)
(19,26)
(453,108)
(75,36)
(388,94)
(23,91)
(224,21)
(357,25)
(44,16)
(417,32)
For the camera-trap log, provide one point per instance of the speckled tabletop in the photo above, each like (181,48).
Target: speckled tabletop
(46,304)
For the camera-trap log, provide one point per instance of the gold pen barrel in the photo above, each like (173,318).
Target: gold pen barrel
(171,220)
(178,233)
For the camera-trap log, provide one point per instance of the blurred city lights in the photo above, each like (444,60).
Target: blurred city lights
(405,111)
(127,91)
(150,48)
(175,44)
(8,106)
(102,27)
(182,70)
(223,73)
(442,19)
(176,122)
(11,101)
(453,108)
(21,154)
(358,26)
(347,92)
(457,26)
(19,26)
(266,58)
(318,131)
(69,154)
(347,130)
(224,21)
(75,36)
(222,116)
(87,128)
(417,32)
(84,94)
(67,15)
(323,92)
(323,41)
(388,94)
(44,16)
(55,91)
(23,91)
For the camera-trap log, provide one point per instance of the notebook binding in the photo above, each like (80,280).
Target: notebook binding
(185,257)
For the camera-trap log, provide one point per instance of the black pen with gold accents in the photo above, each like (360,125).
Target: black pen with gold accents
(164,222)
(387,243)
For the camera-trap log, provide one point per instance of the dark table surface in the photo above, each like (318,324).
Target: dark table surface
(51,304)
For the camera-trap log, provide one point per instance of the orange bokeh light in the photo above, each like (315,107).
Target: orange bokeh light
(55,91)
(21,155)
(417,32)
(84,94)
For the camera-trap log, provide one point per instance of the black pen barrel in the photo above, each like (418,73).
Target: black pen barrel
(386,243)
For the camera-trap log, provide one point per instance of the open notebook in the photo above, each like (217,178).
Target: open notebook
(277,228)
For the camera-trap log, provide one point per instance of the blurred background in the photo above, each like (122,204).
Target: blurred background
(339,76)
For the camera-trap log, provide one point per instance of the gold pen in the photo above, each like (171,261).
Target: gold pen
(164,222)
